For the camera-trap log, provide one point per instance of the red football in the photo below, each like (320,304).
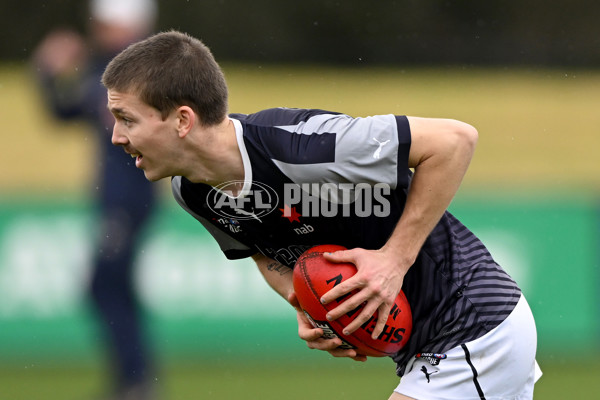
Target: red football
(314,276)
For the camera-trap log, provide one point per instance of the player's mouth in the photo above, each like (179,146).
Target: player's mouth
(138,159)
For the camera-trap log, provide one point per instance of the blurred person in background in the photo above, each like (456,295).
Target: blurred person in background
(69,67)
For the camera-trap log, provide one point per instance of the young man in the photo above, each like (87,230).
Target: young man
(272,184)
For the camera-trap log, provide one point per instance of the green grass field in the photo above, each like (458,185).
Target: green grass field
(325,379)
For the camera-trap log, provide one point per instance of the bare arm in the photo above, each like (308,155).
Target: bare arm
(440,153)
(277,275)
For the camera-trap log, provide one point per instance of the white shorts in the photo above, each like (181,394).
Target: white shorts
(499,365)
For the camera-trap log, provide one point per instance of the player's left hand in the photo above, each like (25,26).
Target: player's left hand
(314,336)
(378,281)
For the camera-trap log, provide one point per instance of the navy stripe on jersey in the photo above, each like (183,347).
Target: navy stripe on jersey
(403,151)
(305,149)
(280,116)
(286,146)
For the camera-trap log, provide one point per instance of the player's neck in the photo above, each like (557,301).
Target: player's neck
(217,157)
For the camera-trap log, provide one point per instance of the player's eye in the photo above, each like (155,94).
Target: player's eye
(126,121)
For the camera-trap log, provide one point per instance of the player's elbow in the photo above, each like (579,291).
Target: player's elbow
(464,136)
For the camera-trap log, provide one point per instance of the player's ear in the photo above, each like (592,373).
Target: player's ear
(186,119)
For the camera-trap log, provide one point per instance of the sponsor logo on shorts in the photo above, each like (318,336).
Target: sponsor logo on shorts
(431,358)
(427,373)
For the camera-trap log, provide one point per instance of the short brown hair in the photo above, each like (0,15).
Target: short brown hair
(168,70)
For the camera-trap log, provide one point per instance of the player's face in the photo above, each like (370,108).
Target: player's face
(142,132)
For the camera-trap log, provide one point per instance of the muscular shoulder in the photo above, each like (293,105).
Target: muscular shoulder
(437,135)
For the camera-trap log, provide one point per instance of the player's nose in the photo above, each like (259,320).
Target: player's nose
(117,138)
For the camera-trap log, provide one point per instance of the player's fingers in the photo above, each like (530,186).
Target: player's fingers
(382,316)
(360,358)
(306,331)
(365,315)
(346,286)
(348,305)
(340,256)
(324,344)
(339,292)
(350,353)
(310,335)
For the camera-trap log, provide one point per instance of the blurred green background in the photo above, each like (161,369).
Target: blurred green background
(525,74)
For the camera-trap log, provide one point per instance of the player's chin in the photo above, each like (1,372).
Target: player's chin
(153,175)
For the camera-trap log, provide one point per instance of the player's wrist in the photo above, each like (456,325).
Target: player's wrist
(403,256)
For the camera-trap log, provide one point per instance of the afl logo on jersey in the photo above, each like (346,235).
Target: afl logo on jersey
(241,200)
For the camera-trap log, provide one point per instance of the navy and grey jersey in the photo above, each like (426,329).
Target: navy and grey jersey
(317,177)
